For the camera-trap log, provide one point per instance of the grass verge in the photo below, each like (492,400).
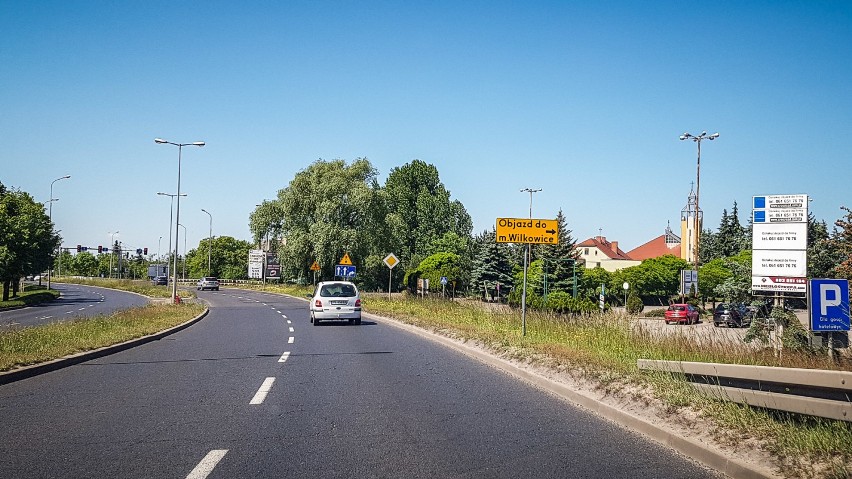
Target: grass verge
(30,297)
(51,341)
(142,287)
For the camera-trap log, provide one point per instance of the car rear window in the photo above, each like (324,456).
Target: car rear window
(338,290)
(677,308)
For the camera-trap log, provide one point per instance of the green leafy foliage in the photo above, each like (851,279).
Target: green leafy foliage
(227,258)
(27,238)
(634,302)
(433,268)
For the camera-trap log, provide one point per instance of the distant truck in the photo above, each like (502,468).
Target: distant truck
(156,270)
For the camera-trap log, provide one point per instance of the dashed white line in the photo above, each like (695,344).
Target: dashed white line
(290,341)
(278,311)
(283,358)
(292,330)
(205,467)
(261,393)
(289,322)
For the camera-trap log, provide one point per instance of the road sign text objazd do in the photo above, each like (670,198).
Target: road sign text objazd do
(527,230)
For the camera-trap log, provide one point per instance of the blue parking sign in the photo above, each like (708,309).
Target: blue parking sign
(828,304)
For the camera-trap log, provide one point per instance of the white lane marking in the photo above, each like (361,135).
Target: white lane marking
(283,358)
(261,393)
(292,330)
(69,312)
(277,311)
(284,316)
(205,467)
(290,341)
(289,322)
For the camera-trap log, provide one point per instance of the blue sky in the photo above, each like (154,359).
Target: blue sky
(584,100)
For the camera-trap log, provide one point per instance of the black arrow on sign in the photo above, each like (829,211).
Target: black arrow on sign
(550,231)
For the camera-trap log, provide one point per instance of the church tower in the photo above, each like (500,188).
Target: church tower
(690,228)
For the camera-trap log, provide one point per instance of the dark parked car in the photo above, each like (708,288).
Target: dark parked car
(732,315)
(160,280)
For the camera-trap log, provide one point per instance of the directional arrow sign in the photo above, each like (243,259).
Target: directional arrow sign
(527,230)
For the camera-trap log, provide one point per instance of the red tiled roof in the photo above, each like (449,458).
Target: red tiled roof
(605,247)
(654,249)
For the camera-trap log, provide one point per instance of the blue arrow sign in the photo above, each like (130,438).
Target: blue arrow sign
(344,271)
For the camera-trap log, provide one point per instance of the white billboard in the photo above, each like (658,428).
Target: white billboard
(786,263)
(256,261)
(780,236)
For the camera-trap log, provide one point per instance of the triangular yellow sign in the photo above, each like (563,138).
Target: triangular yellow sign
(345,260)
(315,266)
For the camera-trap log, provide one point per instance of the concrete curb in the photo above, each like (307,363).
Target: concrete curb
(698,451)
(63,362)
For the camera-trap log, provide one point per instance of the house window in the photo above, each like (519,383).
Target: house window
(587,252)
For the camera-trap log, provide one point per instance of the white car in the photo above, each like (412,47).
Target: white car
(336,300)
(208,282)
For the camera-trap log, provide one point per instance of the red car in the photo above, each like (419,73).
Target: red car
(681,313)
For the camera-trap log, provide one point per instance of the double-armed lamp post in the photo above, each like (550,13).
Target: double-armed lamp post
(697,140)
(177,209)
(50,215)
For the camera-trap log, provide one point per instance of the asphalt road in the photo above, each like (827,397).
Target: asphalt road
(74,301)
(254,390)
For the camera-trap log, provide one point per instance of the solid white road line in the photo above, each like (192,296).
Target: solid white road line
(283,358)
(205,467)
(261,393)
(290,341)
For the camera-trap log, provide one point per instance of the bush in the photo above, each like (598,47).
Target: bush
(562,303)
(634,303)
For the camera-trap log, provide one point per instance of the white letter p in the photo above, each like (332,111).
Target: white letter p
(824,302)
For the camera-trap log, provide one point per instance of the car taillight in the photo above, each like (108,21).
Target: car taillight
(318,304)
(358,303)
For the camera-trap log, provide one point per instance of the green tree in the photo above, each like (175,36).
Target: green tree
(434,267)
(228,258)
(737,287)
(491,266)
(592,281)
(711,275)
(843,243)
(85,264)
(28,240)
(419,210)
(328,209)
(559,259)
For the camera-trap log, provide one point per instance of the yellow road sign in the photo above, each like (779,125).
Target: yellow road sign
(391,260)
(527,230)
(345,260)
(315,266)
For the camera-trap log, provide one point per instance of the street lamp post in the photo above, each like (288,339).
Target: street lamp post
(697,140)
(50,215)
(184,251)
(209,241)
(171,216)
(111,250)
(160,241)
(177,210)
(526,257)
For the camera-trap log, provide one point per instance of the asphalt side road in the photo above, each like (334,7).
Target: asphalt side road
(74,301)
(255,390)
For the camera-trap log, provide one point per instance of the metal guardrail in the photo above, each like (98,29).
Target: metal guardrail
(813,392)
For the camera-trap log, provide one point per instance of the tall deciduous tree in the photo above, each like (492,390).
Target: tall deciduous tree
(327,210)
(420,211)
(27,238)
(228,258)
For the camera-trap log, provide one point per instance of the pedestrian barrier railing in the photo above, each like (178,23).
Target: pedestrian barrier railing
(814,392)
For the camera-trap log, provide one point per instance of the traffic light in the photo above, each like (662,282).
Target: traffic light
(100,249)
(145,251)
(79,248)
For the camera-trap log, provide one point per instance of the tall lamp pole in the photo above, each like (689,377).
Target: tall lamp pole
(697,140)
(526,257)
(171,216)
(50,215)
(184,250)
(180,146)
(209,241)
(111,250)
